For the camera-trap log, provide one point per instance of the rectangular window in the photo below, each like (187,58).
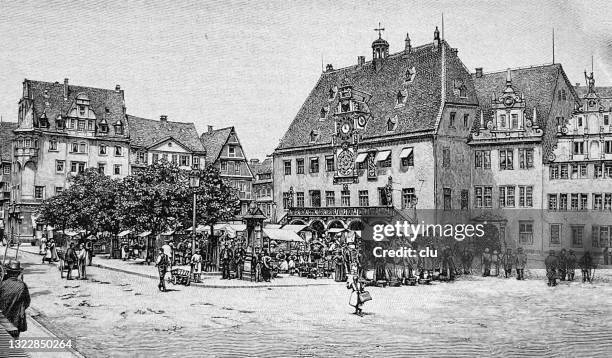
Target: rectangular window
(329,163)
(231,151)
(408,161)
(383,198)
(608,201)
(466,120)
(564,171)
(465,199)
(408,198)
(90,125)
(525,196)
(502,121)
(578,148)
(58,190)
(155,157)
(577,235)
(7,169)
(446,157)
(478,159)
(526,232)
(447,199)
(584,202)
(59,166)
(555,234)
(230,167)
(81,126)
(386,163)
(224,167)
(595,230)
(552,202)
(39,192)
(287,164)
(452,119)
(314,165)
(101,168)
(506,196)
(606,119)
(604,236)
(300,166)
(77,167)
(53,145)
(597,202)
(117,170)
(364,198)
(184,160)
(506,157)
(315,198)
(330,198)
(574,201)
(74,147)
(174,158)
(514,117)
(554,172)
(526,158)
(563,202)
(608,170)
(165,157)
(286,200)
(345,198)
(608,147)
(118,151)
(237,167)
(483,196)
(300,199)
(102,149)
(196,162)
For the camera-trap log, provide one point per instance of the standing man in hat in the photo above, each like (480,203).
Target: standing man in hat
(71,258)
(586,264)
(82,261)
(520,261)
(507,261)
(571,265)
(14,298)
(562,265)
(551,263)
(226,258)
(240,256)
(162,263)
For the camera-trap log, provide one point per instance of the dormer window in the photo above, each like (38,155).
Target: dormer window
(410,73)
(345,106)
(314,136)
(400,98)
(332,93)
(118,128)
(462,92)
(103,128)
(59,123)
(391,124)
(323,113)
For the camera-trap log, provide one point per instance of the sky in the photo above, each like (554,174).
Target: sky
(251,64)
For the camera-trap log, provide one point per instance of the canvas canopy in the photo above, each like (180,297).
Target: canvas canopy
(282,235)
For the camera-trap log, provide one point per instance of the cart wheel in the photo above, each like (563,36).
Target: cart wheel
(174,280)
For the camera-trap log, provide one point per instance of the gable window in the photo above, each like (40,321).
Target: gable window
(323,113)
(400,98)
(329,163)
(330,198)
(314,165)
(391,124)
(231,151)
(81,126)
(184,160)
(102,149)
(578,148)
(452,119)
(118,151)
(314,135)
(155,158)
(506,158)
(300,166)
(287,166)
(563,95)
(462,92)
(526,158)
(103,127)
(119,128)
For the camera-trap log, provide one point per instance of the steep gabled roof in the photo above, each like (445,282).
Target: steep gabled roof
(213,141)
(6,140)
(262,167)
(536,83)
(423,95)
(145,133)
(602,91)
(48,98)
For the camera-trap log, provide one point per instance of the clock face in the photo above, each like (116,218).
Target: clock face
(509,101)
(361,121)
(346,162)
(345,128)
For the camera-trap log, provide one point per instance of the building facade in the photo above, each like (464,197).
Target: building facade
(263,186)
(176,142)
(379,141)
(6,155)
(223,149)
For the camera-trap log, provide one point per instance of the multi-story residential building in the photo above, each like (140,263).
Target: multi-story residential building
(6,151)
(63,129)
(223,150)
(578,193)
(263,186)
(513,137)
(176,142)
(376,140)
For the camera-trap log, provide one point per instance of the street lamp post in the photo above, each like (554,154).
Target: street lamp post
(194,183)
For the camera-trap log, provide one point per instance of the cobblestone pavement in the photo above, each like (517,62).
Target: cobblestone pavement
(114,314)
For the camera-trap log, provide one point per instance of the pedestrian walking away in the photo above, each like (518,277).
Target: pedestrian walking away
(71,259)
(14,298)
(586,265)
(551,263)
(562,265)
(507,261)
(520,261)
(162,263)
(571,265)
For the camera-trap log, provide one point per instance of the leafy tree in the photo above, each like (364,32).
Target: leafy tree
(58,211)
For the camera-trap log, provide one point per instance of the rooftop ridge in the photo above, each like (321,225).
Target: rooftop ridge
(70,85)
(520,68)
(156,120)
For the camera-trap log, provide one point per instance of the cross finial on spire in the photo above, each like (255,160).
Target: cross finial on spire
(379,29)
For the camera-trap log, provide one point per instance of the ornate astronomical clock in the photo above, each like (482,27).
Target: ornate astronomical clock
(351,119)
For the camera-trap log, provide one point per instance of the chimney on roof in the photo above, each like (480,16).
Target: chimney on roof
(254,161)
(329,67)
(163,118)
(117,88)
(65,89)
(408,47)
(478,72)
(210,129)
(360,61)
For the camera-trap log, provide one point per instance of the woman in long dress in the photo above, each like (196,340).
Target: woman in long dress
(355,300)
(339,272)
(266,266)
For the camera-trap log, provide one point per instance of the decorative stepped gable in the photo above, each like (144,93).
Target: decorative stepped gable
(404,87)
